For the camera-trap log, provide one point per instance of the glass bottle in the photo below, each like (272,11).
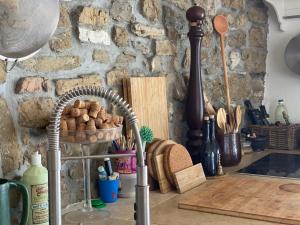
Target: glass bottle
(209,154)
(280,109)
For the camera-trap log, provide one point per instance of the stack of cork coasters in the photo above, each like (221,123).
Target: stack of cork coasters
(171,166)
(88,121)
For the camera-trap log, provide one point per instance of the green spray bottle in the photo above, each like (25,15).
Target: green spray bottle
(36,180)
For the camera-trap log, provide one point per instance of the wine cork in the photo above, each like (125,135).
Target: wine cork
(81,127)
(100,135)
(108,118)
(105,126)
(80,137)
(75,112)
(63,125)
(116,119)
(93,138)
(95,104)
(107,136)
(91,127)
(91,122)
(79,104)
(71,122)
(83,119)
(102,114)
(87,104)
(70,139)
(98,122)
(66,110)
(65,117)
(93,113)
(83,111)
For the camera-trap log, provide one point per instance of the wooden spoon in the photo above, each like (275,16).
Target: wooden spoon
(238,117)
(221,119)
(221,26)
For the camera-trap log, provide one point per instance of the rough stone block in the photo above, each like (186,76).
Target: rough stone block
(164,47)
(94,36)
(35,112)
(64,85)
(174,23)
(121,10)
(51,64)
(120,36)
(145,48)
(182,4)
(255,61)
(61,42)
(207,5)
(94,17)
(151,9)
(147,31)
(114,77)
(234,4)
(101,56)
(237,39)
(64,18)
(258,13)
(186,63)
(31,84)
(258,37)
(125,58)
(2,72)
(10,153)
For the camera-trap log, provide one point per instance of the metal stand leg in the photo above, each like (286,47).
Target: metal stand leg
(87,179)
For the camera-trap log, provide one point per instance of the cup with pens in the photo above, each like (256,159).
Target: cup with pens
(125,165)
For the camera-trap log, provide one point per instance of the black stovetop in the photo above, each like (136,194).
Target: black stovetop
(275,164)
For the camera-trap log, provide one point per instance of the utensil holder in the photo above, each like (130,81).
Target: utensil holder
(108,190)
(230,149)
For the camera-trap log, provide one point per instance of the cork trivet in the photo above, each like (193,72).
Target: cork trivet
(176,158)
(160,149)
(149,154)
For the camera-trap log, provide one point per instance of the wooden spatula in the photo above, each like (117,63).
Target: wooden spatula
(221,26)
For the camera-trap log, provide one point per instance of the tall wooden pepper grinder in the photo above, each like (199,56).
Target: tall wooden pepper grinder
(195,101)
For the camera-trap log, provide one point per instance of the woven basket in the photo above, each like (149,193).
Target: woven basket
(286,137)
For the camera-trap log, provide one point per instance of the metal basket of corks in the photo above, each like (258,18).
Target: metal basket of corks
(87,122)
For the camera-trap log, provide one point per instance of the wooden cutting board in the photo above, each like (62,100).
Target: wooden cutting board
(147,96)
(160,149)
(253,197)
(164,184)
(149,156)
(176,158)
(189,178)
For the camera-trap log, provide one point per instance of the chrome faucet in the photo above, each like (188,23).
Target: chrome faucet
(141,207)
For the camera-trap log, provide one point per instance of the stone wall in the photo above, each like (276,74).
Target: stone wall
(99,42)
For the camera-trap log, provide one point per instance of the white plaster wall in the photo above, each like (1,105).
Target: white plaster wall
(280,82)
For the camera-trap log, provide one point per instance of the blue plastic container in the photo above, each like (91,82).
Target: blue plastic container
(108,190)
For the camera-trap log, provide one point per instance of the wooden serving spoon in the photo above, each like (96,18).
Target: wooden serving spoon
(221,26)
(221,120)
(238,117)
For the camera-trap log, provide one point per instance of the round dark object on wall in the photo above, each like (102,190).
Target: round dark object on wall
(292,54)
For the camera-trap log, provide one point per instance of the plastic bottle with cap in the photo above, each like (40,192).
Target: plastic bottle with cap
(108,167)
(36,180)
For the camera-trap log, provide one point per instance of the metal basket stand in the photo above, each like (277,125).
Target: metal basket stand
(142,208)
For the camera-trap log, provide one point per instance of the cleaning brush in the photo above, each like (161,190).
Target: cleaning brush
(146,135)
